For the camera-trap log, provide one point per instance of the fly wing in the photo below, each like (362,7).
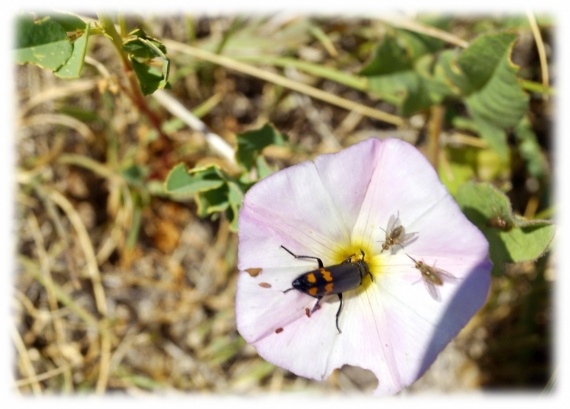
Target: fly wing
(432,289)
(409,237)
(393,222)
(446,276)
(388,233)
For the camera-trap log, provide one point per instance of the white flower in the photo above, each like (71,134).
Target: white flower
(336,209)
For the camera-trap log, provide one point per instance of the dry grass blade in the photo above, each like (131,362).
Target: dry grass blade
(400,21)
(216,142)
(285,82)
(61,91)
(25,360)
(85,242)
(95,276)
(58,119)
(42,377)
(31,267)
(45,268)
(541,50)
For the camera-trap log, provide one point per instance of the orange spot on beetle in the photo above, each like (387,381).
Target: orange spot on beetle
(326,275)
(313,291)
(329,288)
(311,278)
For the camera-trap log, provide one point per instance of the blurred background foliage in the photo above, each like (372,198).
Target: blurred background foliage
(137,136)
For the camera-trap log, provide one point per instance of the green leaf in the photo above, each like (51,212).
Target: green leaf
(494,136)
(403,73)
(419,45)
(182,182)
(446,71)
(143,47)
(69,22)
(214,191)
(150,78)
(73,66)
(43,42)
(411,90)
(485,75)
(417,96)
(388,58)
(263,168)
(529,149)
(213,201)
(251,143)
(511,238)
(481,60)
(235,198)
(437,87)
(392,88)
(142,50)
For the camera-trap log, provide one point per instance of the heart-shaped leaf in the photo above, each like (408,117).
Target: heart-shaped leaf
(511,238)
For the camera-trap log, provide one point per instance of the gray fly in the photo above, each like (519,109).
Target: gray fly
(396,234)
(432,277)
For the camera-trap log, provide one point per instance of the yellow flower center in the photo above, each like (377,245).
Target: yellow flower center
(354,250)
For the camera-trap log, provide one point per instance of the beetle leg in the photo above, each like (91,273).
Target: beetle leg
(321,265)
(316,306)
(338,312)
(369,273)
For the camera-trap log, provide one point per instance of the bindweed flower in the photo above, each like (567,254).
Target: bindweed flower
(377,204)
